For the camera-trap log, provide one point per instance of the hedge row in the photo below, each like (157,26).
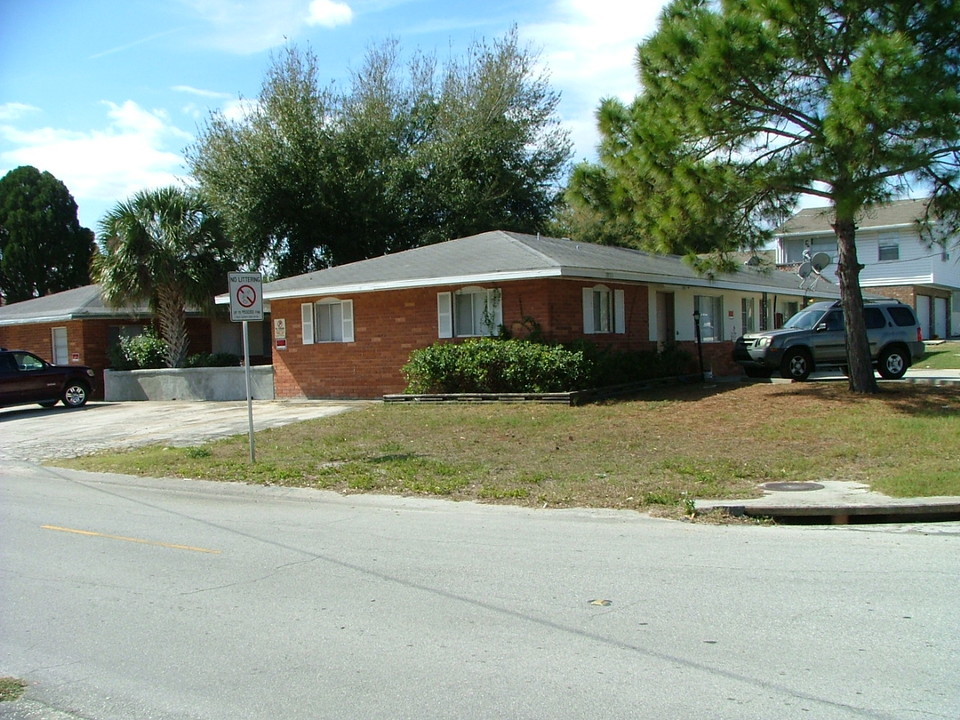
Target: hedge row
(487,365)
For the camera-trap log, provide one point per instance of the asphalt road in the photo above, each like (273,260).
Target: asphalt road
(134,598)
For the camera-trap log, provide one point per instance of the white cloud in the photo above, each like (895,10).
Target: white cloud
(199,92)
(245,27)
(329,13)
(239,109)
(199,110)
(15,110)
(134,43)
(590,51)
(139,149)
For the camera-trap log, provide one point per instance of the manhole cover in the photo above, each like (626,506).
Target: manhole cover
(792,486)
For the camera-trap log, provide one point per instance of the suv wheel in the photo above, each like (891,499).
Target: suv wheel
(892,363)
(75,394)
(796,365)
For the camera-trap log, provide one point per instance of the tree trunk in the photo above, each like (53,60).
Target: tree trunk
(173,327)
(860,367)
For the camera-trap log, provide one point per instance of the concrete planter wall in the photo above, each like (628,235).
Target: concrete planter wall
(220,383)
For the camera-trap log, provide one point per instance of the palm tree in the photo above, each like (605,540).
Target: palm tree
(167,247)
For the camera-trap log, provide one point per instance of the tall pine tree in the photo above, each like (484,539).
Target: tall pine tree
(747,105)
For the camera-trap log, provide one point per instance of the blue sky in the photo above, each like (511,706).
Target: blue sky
(106,94)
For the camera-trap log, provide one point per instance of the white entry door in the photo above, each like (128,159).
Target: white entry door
(940,308)
(59,343)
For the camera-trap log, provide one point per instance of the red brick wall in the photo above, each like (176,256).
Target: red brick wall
(88,340)
(904,293)
(388,326)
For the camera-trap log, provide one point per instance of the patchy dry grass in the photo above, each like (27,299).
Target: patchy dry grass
(660,449)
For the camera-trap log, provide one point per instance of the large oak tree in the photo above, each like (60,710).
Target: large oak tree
(747,105)
(412,152)
(43,248)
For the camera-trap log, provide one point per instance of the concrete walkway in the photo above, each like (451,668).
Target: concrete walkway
(34,434)
(836,502)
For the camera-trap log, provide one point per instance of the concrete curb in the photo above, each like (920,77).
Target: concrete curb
(837,503)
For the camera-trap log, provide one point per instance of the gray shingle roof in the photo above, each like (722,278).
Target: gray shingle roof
(500,256)
(82,303)
(818,219)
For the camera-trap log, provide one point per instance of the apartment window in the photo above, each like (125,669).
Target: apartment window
(710,308)
(469,312)
(328,320)
(603,310)
(888,251)
(748,315)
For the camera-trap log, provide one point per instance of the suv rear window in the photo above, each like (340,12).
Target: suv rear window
(874,319)
(902,315)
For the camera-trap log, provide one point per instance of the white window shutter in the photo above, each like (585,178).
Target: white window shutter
(445,314)
(306,323)
(588,328)
(619,316)
(346,308)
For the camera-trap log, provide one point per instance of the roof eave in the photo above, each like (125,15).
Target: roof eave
(557,272)
(357,288)
(865,228)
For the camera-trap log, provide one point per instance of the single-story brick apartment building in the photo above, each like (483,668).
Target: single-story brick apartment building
(78,327)
(346,331)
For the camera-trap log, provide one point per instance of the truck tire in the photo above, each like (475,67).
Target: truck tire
(892,363)
(796,365)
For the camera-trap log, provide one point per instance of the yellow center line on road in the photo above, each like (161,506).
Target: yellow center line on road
(130,539)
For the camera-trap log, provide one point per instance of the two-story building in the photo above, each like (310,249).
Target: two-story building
(898,262)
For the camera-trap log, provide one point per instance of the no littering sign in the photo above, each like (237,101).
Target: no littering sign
(246,296)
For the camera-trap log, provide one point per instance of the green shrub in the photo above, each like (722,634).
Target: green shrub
(488,365)
(140,352)
(212,360)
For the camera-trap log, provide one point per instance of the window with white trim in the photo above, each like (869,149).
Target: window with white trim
(888,250)
(327,320)
(603,310)
(748,315)
(469,312)
(710,308)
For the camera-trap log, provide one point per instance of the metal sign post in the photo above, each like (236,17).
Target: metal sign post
(246,304)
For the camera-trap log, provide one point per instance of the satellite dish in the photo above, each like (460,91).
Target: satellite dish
(820,261)
(804,270)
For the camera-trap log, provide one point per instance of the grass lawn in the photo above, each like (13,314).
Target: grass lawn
(945,356)
(659,449)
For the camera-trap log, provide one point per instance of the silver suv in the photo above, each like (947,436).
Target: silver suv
(815,338)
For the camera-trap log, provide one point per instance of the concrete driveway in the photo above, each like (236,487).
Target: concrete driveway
(33,433)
